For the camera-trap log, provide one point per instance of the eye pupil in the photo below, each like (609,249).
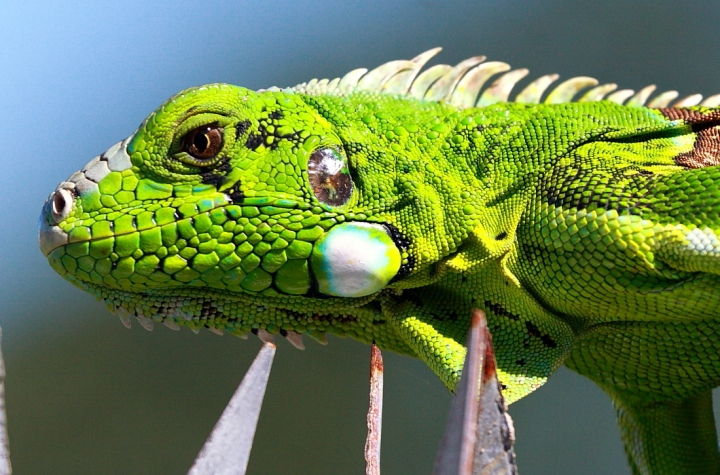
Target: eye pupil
(203,144)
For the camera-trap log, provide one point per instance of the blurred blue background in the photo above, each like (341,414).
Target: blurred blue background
(84,395)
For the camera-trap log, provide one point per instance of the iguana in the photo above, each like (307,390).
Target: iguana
(385,205)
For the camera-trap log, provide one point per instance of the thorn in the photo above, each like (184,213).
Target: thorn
(264,335)
(171,325)
(195,331)
(320,337)
(124,317)
(111,307)
(145,322)
(216,331)
(295,339)
(227,450)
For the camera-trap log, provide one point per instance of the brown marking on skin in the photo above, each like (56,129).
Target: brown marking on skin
(706,151)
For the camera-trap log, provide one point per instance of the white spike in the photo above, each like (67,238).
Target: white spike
(195,331)
(375,79)
(145,322)
(688,101)
(499,91)
(467,89)
(244,336)
(400,82)
(533,92)
(712,101)
(597,93)
(566,90)
(124,317)
(444,86)
(295,339)
(620,96)
(333,84)
(350,80)
(421,85)
(171,325)
(460,85)
(663,99)
(265,336)
(216,331)
(641,97)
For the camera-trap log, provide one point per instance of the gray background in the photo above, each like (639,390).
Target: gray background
(87,396)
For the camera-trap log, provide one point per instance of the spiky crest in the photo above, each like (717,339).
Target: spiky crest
(464,85)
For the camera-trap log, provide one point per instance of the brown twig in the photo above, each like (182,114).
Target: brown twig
(374,416)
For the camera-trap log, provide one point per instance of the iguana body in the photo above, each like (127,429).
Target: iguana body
(386,208)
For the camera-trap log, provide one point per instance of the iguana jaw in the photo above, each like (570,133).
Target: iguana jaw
(351,259)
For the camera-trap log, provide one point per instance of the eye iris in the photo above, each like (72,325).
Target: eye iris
(204,143)
(329,177)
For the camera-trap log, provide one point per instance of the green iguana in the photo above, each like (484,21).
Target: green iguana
(385,205)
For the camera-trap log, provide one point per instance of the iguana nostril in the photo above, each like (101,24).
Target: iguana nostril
(62,203)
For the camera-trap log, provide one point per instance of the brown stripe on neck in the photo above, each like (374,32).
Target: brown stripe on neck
(706,125)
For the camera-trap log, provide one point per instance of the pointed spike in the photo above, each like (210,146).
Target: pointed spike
(533,92)
(597,93)
(264,335)
(216,331)
(375,79)
(400,83)
(350,80)
(145,322)
(124,317)
(620,96)
(171,325)
(467,89)
(333,84)
(663,99)
(320,337)
(641,97)
(295,339)
(111,307)
(712,101)
(566,90)
(239,334)
(443,88)
(195,331)
(688,101)
(427,78)
(499,91)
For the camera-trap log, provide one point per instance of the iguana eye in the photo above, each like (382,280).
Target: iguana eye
(329,177)
(203,144)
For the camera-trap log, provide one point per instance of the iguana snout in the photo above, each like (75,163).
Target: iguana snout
(81,185)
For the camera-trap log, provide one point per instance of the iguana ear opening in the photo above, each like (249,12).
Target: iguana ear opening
(329,177)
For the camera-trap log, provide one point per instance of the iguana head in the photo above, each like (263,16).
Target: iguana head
(258,193)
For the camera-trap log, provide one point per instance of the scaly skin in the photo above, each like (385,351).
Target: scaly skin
(583,230)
